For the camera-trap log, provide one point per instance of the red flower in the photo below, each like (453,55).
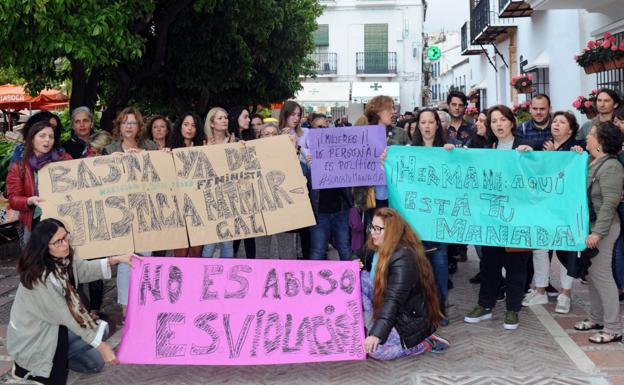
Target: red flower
(606,44)
(622,46)
(614,48)
(591,44)
(607,36)
(595,92)
(524,84)
(576,104)
(588,103)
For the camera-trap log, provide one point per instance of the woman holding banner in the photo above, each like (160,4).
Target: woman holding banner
(22,179)
(187,132)
(501,124)
(563,130)
(429,133)
(604,180)
(216,129)
(128,137)
(401,305)
(50,331)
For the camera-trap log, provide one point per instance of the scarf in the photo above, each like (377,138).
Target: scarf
(75,306)
(37,162)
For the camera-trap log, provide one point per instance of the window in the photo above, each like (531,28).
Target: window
(613,79)
(376,38)
(541,81)
(321,35)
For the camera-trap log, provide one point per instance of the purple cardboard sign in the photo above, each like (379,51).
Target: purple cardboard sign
(347,156)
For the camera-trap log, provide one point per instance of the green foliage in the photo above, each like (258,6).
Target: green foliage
(10,75)
(37,35)
(6,152)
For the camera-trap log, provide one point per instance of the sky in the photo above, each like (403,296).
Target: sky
(447,15)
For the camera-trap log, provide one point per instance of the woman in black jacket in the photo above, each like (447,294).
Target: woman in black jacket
(401,303)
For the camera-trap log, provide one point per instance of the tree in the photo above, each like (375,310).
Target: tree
(47,42)
(164,56)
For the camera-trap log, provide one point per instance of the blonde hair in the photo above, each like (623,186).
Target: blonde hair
(361,121)
(99,140)
(208,129)
(123,115)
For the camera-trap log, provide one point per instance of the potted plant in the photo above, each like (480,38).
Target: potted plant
(521,111)
(587,105)
(601,55)
(523,83)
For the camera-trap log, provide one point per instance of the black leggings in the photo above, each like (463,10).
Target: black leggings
(60,370)
(250,247)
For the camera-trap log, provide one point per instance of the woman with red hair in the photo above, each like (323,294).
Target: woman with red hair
(399,295)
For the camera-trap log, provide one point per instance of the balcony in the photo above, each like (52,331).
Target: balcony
(466,46)
(485,24)
(325,63)
(602,6)
(376,63)
(514,8)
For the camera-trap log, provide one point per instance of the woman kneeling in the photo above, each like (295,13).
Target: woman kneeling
(401,303)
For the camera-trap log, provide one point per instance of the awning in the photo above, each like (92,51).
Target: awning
(364,91)
(541,61)
(326,94)
(481,86)
(16,98)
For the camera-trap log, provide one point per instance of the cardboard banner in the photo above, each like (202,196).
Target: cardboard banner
(534,200)
(115,204)
(347,156)
(235,191)
(151,200)
(194,311)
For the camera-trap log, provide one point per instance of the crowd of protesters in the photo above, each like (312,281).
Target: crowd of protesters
(405,281)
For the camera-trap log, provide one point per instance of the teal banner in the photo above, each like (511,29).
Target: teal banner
(535,200)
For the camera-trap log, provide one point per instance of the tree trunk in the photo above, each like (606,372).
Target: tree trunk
(118,100)
(84,87)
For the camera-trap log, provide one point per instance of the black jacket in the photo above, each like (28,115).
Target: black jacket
(403,306)
(75,147)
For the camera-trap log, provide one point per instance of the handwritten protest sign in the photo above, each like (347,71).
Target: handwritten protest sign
(242,190)
(347,156)
(157,201)
(194,311)
(491,197)
(115,204)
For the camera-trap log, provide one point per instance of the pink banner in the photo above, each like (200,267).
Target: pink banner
(200,311)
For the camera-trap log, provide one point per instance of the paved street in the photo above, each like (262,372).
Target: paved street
(544,350)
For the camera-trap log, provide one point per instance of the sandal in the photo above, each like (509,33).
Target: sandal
(586,324)
(605,338)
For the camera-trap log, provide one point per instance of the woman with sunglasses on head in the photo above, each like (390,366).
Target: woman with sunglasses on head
(50,331)
(401,303)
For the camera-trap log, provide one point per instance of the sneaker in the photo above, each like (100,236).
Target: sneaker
(511,320)
(478,314)
(437,344)
(18,377)
(551,291)
(535,298)
(563,304)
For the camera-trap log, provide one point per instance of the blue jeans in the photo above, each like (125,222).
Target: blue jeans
(123,279)
(82,357)
(439,264)
(338,225)
(618,252)
(226,249)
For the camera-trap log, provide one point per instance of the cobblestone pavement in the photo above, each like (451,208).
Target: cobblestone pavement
(544,350)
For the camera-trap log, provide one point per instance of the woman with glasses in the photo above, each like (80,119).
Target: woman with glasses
(128,137)
(50,331)
(401,304)
(128,133)
(22,182)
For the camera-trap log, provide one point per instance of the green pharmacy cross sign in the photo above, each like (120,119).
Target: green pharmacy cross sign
(434,52)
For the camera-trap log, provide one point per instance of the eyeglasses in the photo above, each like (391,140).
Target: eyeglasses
(59,242)
(130,124)
(374,229)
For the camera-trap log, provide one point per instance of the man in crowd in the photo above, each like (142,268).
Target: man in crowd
(456,102)
(344,122)
(607,101)
(537,129)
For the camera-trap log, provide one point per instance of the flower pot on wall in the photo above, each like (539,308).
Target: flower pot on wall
(525,90)
(594,67)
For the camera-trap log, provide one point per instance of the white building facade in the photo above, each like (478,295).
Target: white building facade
(366,48)
(505,38)
(451,71)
